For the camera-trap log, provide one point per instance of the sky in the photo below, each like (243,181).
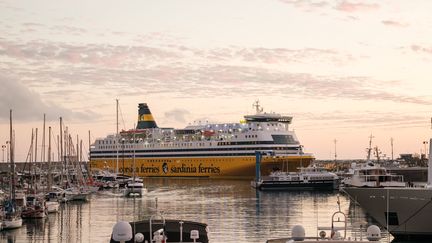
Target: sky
(343,69)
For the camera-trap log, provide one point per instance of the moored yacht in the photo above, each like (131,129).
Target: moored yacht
(308,178)
(372,175)
(404,211)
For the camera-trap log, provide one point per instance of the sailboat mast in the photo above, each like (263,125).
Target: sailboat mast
(35,148)
(43,141)
(11,151)
(117,137)
(61,151)
(89,150)
(49,159)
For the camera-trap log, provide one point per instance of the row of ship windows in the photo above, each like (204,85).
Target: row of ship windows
(201,150)
(164,145)
(181,144)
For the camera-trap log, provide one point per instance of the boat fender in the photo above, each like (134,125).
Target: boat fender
(322,234)
(373,233)
(122,231)
(139,237)
(298,233)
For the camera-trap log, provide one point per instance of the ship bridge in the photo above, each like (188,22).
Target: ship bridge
(261,116)
(265,117)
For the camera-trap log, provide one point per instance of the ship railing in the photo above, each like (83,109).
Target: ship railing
(382,178)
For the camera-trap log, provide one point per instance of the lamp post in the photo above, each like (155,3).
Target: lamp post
(425,151)
(7,150)
(3,149)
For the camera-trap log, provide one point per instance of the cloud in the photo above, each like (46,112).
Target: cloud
(27,105)
(422,49)
(346,6)
(60,71)
(307,5)
(176,115)
(393,23)
(349,120)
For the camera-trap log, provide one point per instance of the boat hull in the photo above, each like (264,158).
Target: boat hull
(295,185)
(241,167)
(409,210)
(172,230)
(52,207)
(11,224)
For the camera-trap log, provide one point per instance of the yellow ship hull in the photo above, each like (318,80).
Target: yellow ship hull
(213,167)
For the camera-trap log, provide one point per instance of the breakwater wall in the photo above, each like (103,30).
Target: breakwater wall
(20,166)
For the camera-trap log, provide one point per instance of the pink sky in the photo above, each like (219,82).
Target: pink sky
(343,69)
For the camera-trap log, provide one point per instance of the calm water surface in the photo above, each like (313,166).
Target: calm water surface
(233,210)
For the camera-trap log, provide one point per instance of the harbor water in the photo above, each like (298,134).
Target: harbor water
(233,210)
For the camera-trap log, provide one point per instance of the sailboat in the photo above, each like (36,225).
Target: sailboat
(34,206)
(135,186)
(11,215)
(52,203)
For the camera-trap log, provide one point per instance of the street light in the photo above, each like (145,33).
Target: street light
(7,150)
(3,149)
(425,151)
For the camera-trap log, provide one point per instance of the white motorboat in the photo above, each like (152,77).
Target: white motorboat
(134,187)
(76,194)
(52,206)
(372,175)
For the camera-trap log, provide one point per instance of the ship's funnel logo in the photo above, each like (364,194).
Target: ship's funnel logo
(145,118)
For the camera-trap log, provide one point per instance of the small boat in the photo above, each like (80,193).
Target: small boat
(336,233)
(10,217)
(76,194)
(53,200)
(35,207)
(158,229)
(134,187)
(11,214)
(309,178)
(52,206)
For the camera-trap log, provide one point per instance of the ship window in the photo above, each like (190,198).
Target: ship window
(392,218)
(284,139)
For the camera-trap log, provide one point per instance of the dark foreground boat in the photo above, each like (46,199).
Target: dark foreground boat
(172,231)
(405,212)
(159,230)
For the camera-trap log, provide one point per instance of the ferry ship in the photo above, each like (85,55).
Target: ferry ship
(217,150)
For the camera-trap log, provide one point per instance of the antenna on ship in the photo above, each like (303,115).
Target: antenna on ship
(369,150)
(257,107)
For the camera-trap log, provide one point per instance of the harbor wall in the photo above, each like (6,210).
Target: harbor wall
(20,166)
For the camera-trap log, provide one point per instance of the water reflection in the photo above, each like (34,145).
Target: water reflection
(233,210)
